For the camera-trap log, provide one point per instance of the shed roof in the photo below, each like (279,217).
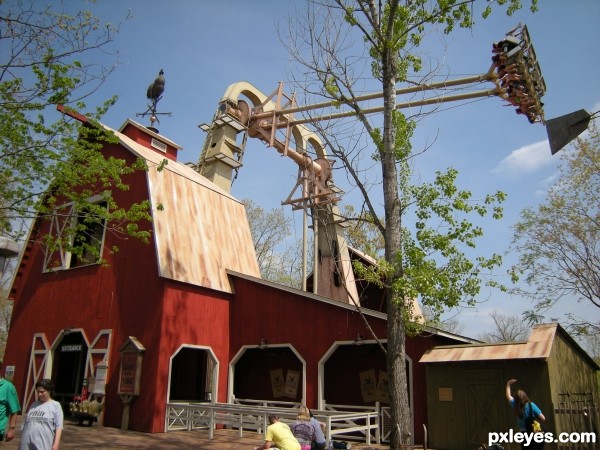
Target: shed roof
(538,346)
(200,230)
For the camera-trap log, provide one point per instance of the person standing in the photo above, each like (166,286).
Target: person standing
(9,407)
(279,433)
(44,420)
(524,409)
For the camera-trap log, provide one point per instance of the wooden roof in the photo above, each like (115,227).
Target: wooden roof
(200,230)
(538,346)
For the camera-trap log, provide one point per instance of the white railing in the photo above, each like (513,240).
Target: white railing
(347,425)
(352,423)
(268,403)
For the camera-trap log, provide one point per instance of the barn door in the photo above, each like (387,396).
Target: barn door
(485,405)
(39,367)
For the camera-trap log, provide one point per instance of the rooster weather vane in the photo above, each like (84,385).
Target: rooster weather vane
(154,94)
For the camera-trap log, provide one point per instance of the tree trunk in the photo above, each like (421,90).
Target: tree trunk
(399,405)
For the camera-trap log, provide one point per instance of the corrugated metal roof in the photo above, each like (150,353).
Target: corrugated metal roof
(538,346)
(201,231)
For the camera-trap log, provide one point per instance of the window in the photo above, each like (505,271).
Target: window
(76,236)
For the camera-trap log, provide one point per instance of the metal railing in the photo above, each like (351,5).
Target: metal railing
(347,425)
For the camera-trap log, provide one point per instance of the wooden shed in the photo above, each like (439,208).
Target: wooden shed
(466,388)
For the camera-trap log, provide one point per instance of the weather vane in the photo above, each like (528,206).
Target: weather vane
(154,94)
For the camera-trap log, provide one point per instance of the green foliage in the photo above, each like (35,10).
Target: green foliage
(402,24)
(434,264)
(48,159)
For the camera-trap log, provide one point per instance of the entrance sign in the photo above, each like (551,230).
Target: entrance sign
(132,354)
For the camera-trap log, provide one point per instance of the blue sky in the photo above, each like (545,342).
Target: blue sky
(204,46)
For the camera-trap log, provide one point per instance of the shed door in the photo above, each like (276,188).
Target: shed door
(486,404)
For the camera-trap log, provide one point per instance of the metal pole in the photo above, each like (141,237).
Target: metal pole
(418,88)
(315,253)
(304,244)
(428,101)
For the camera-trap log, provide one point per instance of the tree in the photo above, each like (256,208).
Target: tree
(451,324)
(558,242)
(5,315)
(362,233)
(425,255)
(50,58)
(5,304)
(277,261)
(591,343)
(508,329)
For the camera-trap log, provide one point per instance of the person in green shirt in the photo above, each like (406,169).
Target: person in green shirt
(9,407)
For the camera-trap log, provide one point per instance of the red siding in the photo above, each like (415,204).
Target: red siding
(124,295)
(260,311)
(145,139)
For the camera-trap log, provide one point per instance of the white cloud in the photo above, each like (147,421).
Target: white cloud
(526,159)
(549,180)
(545,184)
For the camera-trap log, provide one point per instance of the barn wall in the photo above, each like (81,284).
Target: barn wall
(282,317)
(122,295)
(197,317)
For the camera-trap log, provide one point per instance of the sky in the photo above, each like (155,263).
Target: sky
(203,46)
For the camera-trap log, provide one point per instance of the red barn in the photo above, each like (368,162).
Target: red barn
(208,328)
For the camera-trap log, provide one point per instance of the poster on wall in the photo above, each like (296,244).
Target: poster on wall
(277,383)
(128,375)
(368,385)
(383,394)
(291,383)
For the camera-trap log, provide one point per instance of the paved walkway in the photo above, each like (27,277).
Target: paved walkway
(97,437)
(100,438)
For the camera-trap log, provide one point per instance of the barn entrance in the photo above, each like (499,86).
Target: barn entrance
(355,374)
(68,369)
(193,375)
(270,373)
